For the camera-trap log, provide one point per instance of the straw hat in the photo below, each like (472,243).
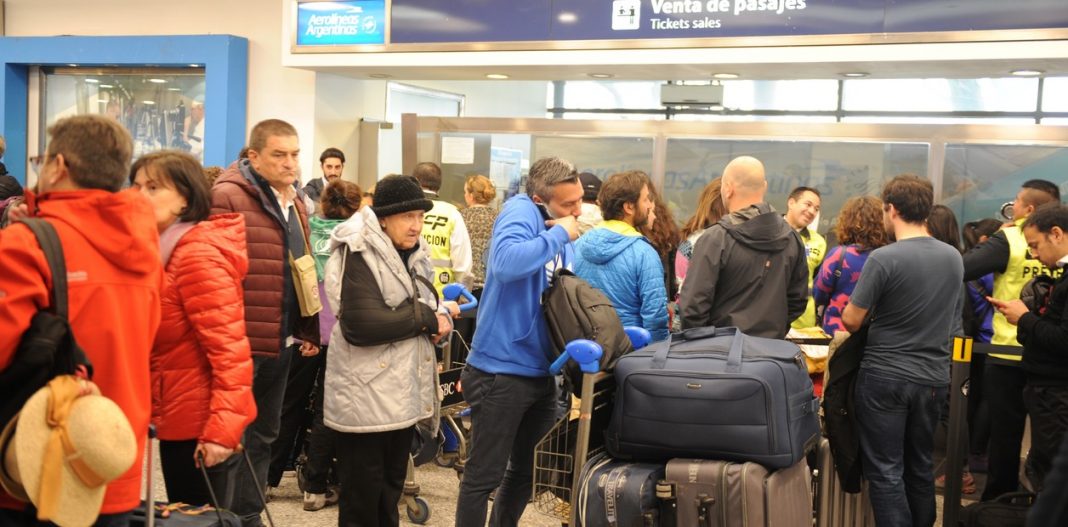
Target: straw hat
(99,447)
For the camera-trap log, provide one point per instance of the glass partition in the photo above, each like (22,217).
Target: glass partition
(603,156)
(838,170)
(162,108)
(978,179)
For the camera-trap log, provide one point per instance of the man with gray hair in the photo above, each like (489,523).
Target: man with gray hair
(506,382)
(749,269)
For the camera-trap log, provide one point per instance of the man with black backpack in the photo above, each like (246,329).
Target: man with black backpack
(111,252)
(506,382)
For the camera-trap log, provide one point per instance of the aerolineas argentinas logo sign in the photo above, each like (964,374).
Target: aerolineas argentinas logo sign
(346,23)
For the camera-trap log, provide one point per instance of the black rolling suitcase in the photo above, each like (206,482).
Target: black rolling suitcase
(180,514)
(619,494)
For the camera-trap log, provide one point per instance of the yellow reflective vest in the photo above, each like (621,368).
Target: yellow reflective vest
(1020,269)
(815,250)
(442,227)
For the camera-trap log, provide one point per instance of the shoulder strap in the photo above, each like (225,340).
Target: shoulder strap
(53,251)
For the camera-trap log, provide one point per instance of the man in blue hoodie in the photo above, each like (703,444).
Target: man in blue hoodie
(618,260)
(513,398)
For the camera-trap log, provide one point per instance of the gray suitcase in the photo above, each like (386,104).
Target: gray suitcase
(835,507)
(723,494)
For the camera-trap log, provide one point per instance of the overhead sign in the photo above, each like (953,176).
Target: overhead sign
(458,21)
(345,23)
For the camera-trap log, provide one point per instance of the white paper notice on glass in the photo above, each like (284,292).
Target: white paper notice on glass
(457,150)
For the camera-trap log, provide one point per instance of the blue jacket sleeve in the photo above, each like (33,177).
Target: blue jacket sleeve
(654,297)
(520,246)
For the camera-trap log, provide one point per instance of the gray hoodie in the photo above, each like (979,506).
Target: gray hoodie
(747,271)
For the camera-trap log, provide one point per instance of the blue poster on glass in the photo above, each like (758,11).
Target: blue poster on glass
(506,170)
(346,23)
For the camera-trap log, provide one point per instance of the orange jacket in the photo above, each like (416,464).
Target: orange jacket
(201,363)
(111,249)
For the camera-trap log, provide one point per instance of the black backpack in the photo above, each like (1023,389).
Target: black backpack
(574,309)
(47,348)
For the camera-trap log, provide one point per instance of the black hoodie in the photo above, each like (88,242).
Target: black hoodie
(747,271)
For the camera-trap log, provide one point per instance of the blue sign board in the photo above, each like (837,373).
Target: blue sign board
(345,23)
(435,21)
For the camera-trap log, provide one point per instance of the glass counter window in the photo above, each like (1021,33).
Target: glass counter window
(163,108)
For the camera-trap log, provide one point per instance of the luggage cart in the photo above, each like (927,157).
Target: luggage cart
(561,453)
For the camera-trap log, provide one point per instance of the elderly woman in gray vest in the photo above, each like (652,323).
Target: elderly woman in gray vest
(381,375)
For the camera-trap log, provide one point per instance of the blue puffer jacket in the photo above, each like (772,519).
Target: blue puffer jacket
(618,260)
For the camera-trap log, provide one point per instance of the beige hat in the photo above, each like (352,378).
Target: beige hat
(83,438)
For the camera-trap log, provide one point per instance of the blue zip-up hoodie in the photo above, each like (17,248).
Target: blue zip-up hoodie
(619,261)
(511,336)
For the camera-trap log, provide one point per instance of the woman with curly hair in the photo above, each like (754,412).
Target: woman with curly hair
(859,230)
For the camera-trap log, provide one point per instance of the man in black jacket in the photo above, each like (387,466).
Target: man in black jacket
(332,161)
(749,269)
(1043,334)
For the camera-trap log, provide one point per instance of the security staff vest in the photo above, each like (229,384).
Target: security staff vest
(815,250)
(1021,268)
(438,225)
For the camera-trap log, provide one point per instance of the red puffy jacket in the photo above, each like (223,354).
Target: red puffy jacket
(201,362)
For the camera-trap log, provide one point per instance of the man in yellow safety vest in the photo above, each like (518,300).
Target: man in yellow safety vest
(1005,254)
(802,207)
(444,231)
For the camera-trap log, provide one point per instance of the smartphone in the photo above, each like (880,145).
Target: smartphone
(545,212)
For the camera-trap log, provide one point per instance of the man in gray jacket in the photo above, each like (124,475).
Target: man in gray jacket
(749,269)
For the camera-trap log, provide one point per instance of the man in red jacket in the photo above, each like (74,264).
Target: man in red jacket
(111,250)
(261,189)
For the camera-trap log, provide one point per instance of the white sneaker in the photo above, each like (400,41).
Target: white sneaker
(315,502)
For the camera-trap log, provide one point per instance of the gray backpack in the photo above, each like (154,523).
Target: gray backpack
(574,309)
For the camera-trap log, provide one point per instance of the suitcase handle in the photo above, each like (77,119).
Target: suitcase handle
(734,356)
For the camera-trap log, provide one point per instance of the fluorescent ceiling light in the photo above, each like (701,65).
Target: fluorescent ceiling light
(855,74)
(148,102)
(496,76)
(92,81)
(157,81)
(724,75)
(567,17)
(601,75)
(106,86)
(174,89)
(1027,73)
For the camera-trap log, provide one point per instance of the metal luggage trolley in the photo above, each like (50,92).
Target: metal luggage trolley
(452,404)
(578,436)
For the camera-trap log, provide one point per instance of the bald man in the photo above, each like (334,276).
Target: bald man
(749,269)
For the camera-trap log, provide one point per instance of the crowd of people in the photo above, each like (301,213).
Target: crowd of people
(216,304)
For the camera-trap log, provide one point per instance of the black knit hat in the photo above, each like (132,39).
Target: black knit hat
(397,194)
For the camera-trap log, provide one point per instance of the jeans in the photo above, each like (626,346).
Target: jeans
(896,420)
(268,389)
(185,482)
(1003,389)
(1048,407)
(300,382)
(509,415)
(371,468)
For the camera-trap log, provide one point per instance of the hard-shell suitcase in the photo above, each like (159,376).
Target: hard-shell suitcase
(836,507)
(619,494)
(711,393)
(724,494)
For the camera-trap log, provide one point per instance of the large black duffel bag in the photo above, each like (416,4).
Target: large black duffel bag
(714,394)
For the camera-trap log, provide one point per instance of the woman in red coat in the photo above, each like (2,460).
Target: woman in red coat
(201,363)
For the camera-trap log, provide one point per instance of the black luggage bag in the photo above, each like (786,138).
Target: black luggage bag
(619,494)
(710,393)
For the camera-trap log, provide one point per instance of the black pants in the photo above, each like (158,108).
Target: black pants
(320,450)
(371,468)
(1003,388)
(184,481)
(1048,408)
(268,389)
(978,411)
(294,420)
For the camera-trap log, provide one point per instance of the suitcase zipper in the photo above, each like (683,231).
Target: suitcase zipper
(713,375)
(723,493)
